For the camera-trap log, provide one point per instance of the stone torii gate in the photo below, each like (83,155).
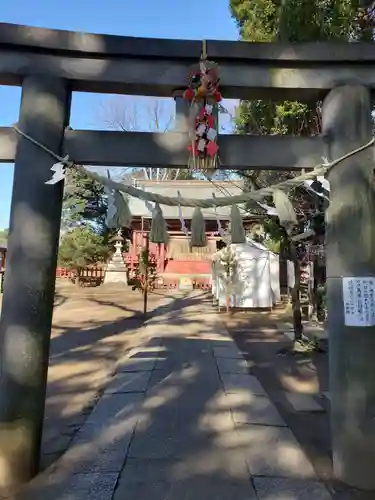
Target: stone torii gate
(49,65)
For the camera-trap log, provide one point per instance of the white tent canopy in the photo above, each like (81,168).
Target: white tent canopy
(255,283)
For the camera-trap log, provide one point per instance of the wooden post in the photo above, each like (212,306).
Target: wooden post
(29,287)
(143,233)
(145,291)
(133,253)
(2,269)
(350,252)
(162,257)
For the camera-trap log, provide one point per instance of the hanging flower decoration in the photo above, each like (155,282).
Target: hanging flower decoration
(204,83)
(203,95)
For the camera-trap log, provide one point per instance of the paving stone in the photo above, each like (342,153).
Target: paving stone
(113,406)
(271,451)
(250,409)
(227,352)
(151,349)
(234,383)
(136,364)
(85,486)
(178,396)
(47,459)
(216,422)
(228,365)
(98,449)
(227,466)
(154,342)
(289,489)
(220,340)
(58,444)
(157,377)
(193,488)
(303,402)
(179,440)
(181,354)
(180,422)
(174,363)
(128,382)
(173,439)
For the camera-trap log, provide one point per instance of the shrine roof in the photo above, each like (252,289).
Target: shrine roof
(188,189)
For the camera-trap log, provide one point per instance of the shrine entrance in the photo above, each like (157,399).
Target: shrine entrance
(50,64)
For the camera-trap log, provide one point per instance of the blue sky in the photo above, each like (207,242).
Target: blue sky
(193,19)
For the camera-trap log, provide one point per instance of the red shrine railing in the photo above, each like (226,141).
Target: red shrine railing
(170,269)
(170,282)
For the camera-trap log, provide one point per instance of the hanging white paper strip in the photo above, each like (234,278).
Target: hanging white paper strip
(184,229)
(58,170)
(220,229)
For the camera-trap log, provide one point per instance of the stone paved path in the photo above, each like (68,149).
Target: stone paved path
(182,419)
(89,326)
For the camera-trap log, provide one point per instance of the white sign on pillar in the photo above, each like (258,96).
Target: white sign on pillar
(359,301)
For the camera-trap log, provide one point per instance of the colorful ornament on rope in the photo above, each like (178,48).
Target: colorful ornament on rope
(205,134)
(204,83)
(203,95)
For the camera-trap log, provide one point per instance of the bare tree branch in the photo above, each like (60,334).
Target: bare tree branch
(131,114)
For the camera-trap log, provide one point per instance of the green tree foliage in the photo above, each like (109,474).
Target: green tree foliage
(303,20)
(82,247)
(292,21)
(257,20)
(85,202)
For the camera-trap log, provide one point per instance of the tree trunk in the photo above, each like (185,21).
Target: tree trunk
(78,277)
(317,297)
(296,303)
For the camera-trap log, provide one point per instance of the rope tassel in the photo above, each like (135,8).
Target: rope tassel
(198,229)
(237,229)
(118,213)
(159,231)
(284,208)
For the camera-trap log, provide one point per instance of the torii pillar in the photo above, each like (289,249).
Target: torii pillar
(26,315)
(350,253)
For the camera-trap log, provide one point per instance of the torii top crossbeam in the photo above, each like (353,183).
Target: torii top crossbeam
(149,66)
(157,67)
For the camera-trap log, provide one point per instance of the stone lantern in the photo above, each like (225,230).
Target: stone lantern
(116,270)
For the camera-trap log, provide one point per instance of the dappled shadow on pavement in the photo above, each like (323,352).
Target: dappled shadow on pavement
(165,428)
(90,331)
(262,342)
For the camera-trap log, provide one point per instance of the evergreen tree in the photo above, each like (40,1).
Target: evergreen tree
(85,237)
(85,203)
(293,21)
(82,247)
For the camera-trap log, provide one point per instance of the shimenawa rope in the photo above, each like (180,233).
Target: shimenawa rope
(221,201)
